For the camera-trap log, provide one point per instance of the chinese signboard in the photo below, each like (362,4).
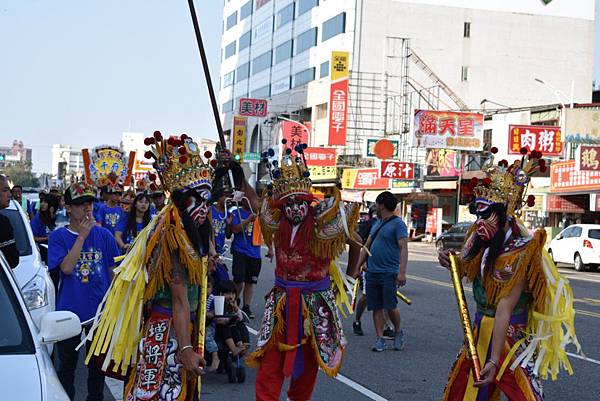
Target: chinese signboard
(546,139)
(363,178)
(252,157)
(338,98)
(564,177)
(588,158)
(294,133)
(562,204)
(398,170)
(582,125)
(239,138)
(433,223)
(253,107)
(443,163)
(448,130)
(371,145)
(321,163)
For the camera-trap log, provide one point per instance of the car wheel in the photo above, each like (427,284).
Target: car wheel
(440,246)
(579,266)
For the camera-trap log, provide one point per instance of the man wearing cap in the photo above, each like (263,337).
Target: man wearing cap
(111,212)
(84,253)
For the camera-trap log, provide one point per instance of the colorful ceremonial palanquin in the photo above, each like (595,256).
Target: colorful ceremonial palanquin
(301,330)
(520,271)
(134,329)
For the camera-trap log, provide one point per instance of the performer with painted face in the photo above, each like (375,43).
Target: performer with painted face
(524,318)
(158,293)
(301,330)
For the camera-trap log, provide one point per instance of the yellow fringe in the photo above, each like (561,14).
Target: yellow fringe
(333,248)
(454,374)
(253,360)
(339,289)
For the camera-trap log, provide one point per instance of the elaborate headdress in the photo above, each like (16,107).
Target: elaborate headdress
(178,163)
(143,185)
(78,193)
(291,175)
(108,167)
(507,184)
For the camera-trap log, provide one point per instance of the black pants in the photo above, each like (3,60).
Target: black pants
(236,331)
(67,363)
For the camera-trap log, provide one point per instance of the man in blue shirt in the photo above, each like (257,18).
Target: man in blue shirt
(84,253)
(220,218)
(110,213)
(246,256)
(386,268)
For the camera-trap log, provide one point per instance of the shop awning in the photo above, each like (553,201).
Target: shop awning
(439,185)
(399,191)
(467,175)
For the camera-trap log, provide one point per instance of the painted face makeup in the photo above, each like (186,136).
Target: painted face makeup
(295,210)
(198,210)
(487,222)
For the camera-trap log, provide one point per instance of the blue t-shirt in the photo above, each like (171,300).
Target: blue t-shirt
(240,244)
(127,236)
(385,252)
(109,217)
(82,291)
(38,227)
(96,207)
(219,221)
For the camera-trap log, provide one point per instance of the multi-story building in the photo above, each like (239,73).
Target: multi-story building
(66,161)
(404,54)
(15,153)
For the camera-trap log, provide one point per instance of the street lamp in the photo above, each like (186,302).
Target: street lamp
(556,91)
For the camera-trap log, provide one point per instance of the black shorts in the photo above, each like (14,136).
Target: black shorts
(381,291)
(245,269)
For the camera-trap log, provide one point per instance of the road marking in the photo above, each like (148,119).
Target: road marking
(345,380)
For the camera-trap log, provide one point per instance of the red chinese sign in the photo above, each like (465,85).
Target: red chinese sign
(295,133)
(152,364)
(564,177)
(253,107)
(543,138)
(448,130)
(338,105)
(431,222)
(398,170)
(320,156)
(562,204)
(364,178)
(588,158)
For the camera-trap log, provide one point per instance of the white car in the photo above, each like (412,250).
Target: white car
(31,273)
(26,370)
(577,245)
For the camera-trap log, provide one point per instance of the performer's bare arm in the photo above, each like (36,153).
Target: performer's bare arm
(501,321)
(192,362)
(119,239)
(403,245)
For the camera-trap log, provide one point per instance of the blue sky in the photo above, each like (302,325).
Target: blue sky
(81,72)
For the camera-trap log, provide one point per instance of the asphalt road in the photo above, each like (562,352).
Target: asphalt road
(433,337)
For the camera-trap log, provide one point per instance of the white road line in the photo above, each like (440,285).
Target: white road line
(348,382)
(584,358)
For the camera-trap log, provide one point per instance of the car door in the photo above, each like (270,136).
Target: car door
(559,248)
(451,237)
(573,244)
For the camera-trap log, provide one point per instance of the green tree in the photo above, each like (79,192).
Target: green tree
(20,174)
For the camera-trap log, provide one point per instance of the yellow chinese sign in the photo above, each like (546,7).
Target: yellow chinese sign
(322,173)
(238,146)
(349,178)
(340,65)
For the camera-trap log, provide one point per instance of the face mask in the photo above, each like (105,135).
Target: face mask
(296,211)
(198,211)
(487,227)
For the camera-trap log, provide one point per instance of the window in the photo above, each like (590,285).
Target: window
(246,10)
(228,79)
(16,338)
(333,27)
(283,51)
(19,231)
(262,30)
(230,50)
(324,69)
(306,40)
(261,62)
(576,233)
(243,72)
(281,86)
(594,234)
(465,74)
(304,77)
(231,20)
(306,5)
(245,40)
(262,93)
(284,16)
(227,106)
(321,111)
(467,30)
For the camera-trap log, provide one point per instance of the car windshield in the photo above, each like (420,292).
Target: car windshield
(594,234)
(19,231)
(14,336)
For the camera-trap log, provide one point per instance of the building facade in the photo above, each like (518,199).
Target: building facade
(66,161)
(15,153)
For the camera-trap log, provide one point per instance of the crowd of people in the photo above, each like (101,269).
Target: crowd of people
(138,264)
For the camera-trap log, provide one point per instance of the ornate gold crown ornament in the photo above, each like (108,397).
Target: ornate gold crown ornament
(290,176)
(178,163)
(507,184)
